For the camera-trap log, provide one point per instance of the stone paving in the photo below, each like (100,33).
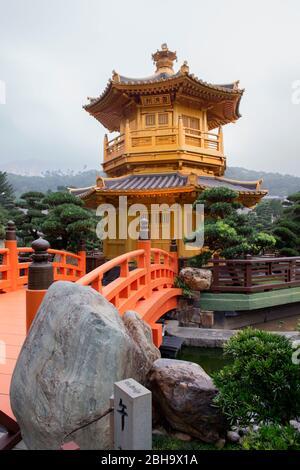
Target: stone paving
(209,337)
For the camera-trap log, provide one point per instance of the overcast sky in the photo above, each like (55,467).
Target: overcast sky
(55,53)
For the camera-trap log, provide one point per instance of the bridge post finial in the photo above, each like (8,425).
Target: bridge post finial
(173,246)
(40,277)
(10,231)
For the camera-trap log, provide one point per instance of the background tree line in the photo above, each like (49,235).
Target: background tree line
(278,185)
(230,230)
(58,216)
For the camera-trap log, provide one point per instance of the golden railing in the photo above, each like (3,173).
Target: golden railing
(171,137)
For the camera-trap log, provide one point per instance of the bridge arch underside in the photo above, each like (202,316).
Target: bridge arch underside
(152,309)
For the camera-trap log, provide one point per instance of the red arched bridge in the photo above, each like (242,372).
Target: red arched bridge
(145,284)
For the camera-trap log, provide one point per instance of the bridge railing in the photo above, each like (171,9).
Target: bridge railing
(141,272)
(4,269)
(252,275)
(130,284)
(14,273)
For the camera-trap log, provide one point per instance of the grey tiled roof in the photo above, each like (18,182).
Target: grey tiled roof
(212,182)
(148,181)
(166,76)
(153,78)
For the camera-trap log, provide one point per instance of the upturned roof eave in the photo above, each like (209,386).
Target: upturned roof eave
(171,81)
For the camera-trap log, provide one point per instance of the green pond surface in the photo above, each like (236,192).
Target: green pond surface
(211,360)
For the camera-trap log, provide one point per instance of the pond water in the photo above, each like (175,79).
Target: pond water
(211,359)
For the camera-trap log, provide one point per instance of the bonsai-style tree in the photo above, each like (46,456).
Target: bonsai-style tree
(261,384)
(68,222)
(31,215)
(266,213)
(287,228)
(228,231)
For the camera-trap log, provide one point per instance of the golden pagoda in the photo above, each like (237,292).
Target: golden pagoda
(169,146)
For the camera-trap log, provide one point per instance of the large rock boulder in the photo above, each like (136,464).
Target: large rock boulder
(77,347)
(196,278)
(183,395)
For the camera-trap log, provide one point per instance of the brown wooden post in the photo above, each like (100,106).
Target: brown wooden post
(248,273)
(40,277)
(174,252)
(291,271)
(216,272)
(13,261)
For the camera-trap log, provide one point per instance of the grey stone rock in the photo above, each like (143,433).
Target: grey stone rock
(295,424)
(183,395)
(233,436)
(77,347)
(220,443)
(181,436)
(159,432)
(196,278)
(143,351)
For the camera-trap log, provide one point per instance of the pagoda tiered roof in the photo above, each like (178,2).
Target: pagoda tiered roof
(156,183)
(221,101)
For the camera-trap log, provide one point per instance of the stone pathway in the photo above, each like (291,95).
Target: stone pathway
(209,337)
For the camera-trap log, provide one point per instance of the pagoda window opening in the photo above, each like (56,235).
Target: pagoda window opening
(157,119)
(163,119)
(150,120)
(191,124)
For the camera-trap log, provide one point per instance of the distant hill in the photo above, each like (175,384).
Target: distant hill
(277,184)
(52,181)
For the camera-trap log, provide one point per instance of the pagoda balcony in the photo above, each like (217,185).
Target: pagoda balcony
(155,140)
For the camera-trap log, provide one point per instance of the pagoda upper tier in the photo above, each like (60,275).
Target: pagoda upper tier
(165,121)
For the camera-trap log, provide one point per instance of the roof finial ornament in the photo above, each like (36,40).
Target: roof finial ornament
(115,77)
(184,69)
(164,60)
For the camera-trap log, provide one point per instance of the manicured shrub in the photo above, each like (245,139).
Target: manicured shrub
(272,437)
(261,383)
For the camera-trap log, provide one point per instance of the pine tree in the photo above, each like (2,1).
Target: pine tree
(228,231)
(6,192)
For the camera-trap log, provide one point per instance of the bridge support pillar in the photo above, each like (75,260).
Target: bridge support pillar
(40,277)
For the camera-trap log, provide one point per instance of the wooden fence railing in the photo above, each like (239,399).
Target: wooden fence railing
(254,274)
